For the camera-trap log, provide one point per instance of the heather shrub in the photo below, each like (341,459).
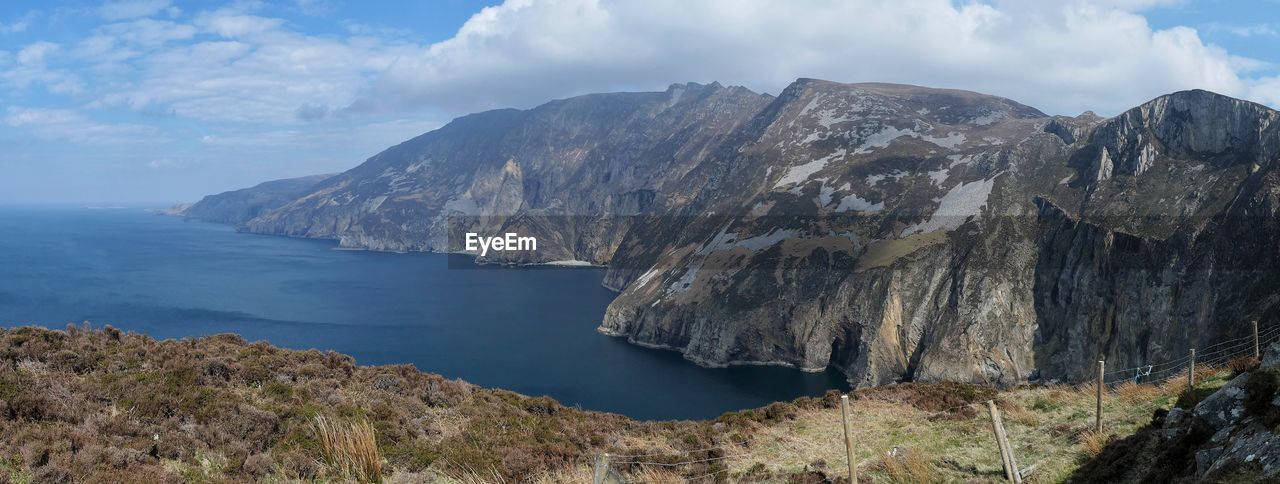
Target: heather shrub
(101,405)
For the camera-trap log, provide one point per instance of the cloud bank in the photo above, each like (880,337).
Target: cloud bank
(247,91)
(1063,57)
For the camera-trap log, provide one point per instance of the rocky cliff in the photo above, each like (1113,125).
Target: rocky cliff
(571,172)
(242,205)
(894,232)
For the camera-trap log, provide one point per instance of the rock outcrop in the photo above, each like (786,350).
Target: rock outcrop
(1229,436)
(571,172)
(242,205)
(894,232)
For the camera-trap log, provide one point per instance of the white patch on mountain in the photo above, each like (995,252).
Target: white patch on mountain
(987,118)
(760,242)
(854,202)
(886,135)
(799,173)
(873,180)
(825,193)
(955,207)
(939,176)
(682,284)
(465,206)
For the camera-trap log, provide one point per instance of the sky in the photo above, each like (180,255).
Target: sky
(163,101)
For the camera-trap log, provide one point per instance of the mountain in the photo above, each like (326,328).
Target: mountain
(245,204)
(598,156)
(894,232)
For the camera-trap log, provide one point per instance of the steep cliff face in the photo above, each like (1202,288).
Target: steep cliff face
(242,205)
(893,232)
(569,172)
(1175,247)
(880,232)
(1030,248)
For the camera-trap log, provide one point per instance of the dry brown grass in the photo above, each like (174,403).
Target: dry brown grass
(570,474)
(1092,442)
(656,476)
(1173,385)
(493,477)
(1242,364)
(908,465)
(1018,414)
(1130,392)
(349,449)
(252,406)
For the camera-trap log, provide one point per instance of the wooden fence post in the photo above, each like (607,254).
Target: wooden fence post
(1002,441)
(1097,421)
(995,429)
(1008,449)
(1191,371)
(1257,351)
(848,438)
(600,470)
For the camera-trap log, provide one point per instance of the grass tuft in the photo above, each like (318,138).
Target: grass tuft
(1134,393)
(351,449)
(1242,364)
(1092,442)
(908,466)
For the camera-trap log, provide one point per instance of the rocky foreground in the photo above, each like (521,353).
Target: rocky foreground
(1231,434)
(99,405)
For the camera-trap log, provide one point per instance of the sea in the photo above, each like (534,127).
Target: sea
(530,330)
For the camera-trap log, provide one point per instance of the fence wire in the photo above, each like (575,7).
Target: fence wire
(1214,355)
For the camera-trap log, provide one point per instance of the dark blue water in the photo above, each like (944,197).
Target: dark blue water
(527,330)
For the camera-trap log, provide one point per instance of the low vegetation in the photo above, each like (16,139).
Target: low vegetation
(349,449)
(100,405)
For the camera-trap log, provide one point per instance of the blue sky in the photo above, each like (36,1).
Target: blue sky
(157,101)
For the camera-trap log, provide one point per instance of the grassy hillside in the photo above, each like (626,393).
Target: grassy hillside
(101,405)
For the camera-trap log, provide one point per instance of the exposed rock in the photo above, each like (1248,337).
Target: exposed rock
(176,210)
(1229,436)
(239,206)
(893,232)
(570,172)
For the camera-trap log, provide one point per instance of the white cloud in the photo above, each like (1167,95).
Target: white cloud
(231,25)
(128,9)
(1250,30)
(63,125)
(31,69)
(259,72)
(1062,57)
(315,8)
(1266,91)
(35,53)
(17,26)
(235,64)
(149,32)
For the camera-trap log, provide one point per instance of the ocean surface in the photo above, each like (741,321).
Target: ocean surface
(528,330)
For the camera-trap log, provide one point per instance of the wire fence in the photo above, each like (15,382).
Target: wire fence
(711,464)
(1213,355)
